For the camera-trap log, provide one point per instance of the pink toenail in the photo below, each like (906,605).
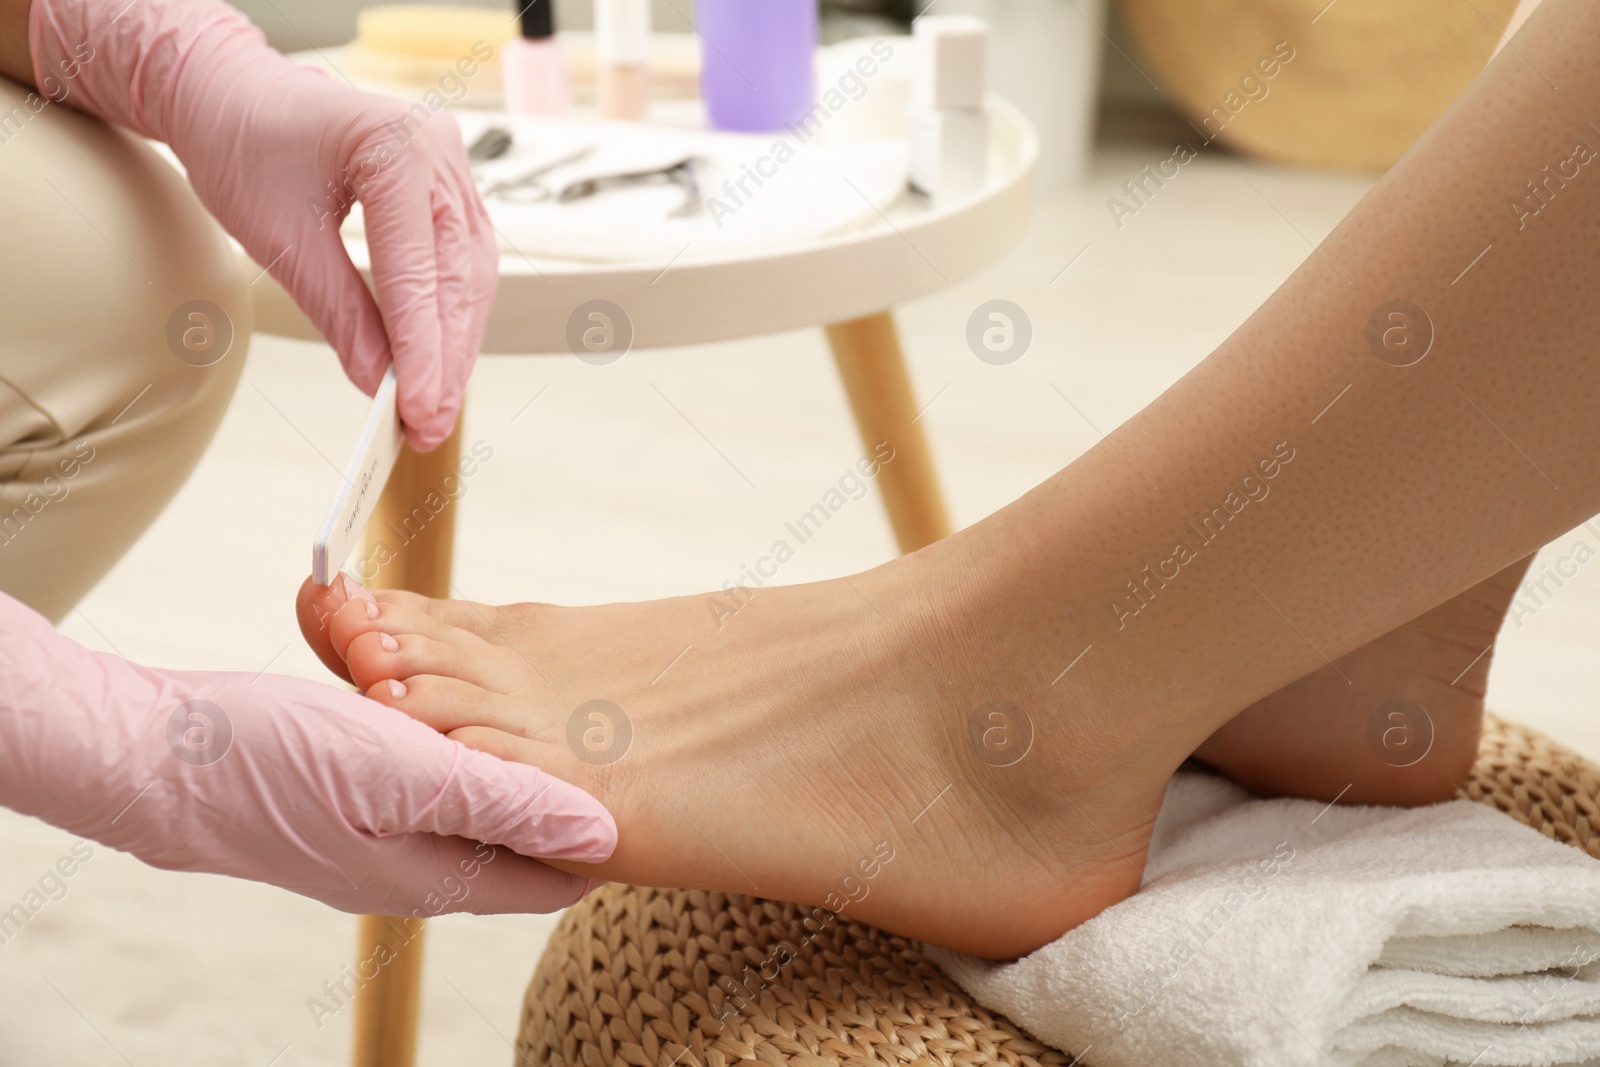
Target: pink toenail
(389,644)
(397,689)
(354,590)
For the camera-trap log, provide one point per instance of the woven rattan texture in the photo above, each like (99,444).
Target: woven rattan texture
(661,977)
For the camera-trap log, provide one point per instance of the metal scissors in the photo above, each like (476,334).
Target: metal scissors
(679,172)
(526,188)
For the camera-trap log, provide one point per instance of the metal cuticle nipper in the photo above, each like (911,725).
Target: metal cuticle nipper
(526,187)
(680,172)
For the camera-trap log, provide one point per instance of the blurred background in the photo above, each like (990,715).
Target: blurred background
(1367,81)
(669,471)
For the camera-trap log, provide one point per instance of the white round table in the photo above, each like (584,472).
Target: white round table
(912,251)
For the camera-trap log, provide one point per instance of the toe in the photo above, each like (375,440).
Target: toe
(475,618)
(500,743)
(451,705)
(333,616)
(443,703)
(396,614)
(378,655)
(354,619)
(316,606)
(469,615)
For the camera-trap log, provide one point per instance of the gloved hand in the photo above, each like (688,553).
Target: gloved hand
(280,780)
(278,152)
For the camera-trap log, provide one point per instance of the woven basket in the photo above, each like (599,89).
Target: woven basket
(640,976)
(1348,84)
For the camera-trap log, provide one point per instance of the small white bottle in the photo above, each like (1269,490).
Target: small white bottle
(947,124)
(622,57)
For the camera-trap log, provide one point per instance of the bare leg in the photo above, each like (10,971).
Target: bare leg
(1293,498)
(1332,734)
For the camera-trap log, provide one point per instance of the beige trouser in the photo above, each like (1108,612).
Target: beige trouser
(118,289)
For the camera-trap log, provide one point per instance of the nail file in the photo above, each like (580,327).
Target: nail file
(364,480)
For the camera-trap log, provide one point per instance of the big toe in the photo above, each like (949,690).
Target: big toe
(314,606)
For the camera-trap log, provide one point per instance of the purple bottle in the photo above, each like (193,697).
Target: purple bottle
(758,62)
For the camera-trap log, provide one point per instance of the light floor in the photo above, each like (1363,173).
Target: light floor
(601,491)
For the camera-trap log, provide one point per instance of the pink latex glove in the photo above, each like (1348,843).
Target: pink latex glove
(278,152)
(311,788)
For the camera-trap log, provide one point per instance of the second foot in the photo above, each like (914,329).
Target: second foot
(818,746)
(1397,721)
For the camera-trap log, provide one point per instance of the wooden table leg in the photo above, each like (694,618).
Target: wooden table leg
(389,1007)
(408,545)
(867,351)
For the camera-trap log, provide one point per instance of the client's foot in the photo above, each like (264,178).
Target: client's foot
(1396,721)
(829,744)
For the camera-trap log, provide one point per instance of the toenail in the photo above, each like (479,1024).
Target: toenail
(354,590)
(397,689)
(389,644)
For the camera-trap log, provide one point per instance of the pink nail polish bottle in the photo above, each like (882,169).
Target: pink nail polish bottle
(535,66)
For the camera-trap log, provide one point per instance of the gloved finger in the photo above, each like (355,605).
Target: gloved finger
(334,296)
(486,259)
(486,268)
(446,875)
(488,274)
(483,256)
(485,280)
(453,240)
(497,801)
(398,205)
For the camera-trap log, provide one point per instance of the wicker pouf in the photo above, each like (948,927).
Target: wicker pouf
(657,977)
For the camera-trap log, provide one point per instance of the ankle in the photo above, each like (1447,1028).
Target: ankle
(1016,624)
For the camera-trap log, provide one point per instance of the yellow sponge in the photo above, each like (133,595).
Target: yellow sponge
(432,31)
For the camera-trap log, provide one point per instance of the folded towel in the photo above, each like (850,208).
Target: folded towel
(1282,933)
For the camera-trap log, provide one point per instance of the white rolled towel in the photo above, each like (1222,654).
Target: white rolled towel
(1282,933)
